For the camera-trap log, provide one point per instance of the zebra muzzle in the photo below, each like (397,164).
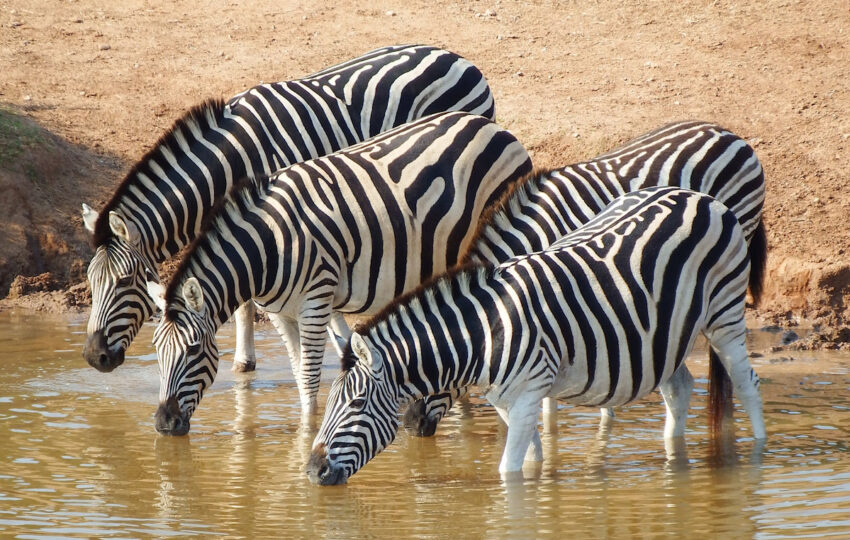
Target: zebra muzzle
(170,420)
(321,471)
(98,355)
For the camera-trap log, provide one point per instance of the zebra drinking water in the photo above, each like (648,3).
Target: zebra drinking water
(347,232)
(599,318)
(159,207)
(546,205)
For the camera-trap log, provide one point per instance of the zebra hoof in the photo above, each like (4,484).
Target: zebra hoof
(416,422)
(244,367)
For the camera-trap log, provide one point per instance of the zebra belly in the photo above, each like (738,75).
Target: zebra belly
(571,381)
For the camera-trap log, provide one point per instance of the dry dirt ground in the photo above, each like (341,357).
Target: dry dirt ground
(88,85)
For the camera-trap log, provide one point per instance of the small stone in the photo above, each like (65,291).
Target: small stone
(104,47)
(519,73)
(27,98)
(390,13)
(76,20)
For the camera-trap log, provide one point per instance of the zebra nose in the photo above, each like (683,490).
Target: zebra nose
(170,420)
(417,422)
(320,471)
(97,353)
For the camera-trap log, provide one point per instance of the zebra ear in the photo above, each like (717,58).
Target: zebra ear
(89,218)
(123,229)
(365,353)
(157,294)
(193,294)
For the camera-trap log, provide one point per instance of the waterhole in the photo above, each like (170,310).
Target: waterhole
(79,457)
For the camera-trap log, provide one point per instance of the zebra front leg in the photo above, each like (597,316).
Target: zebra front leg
(313,320)
(745,382)
(244,358)
(676,392)
(521,419)
(339,332)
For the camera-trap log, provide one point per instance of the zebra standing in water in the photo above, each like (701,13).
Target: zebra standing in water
(547,205)
(159,207)
(347,232)
(599,318)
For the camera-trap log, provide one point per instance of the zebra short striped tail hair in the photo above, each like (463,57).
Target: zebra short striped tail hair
(601,317)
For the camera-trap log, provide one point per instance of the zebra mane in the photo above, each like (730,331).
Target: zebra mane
(429,287)
(515,194)
(203,117)
(243,190)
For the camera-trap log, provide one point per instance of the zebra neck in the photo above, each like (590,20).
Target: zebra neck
(437,341)
(231,268)
(515,229)
(172,190)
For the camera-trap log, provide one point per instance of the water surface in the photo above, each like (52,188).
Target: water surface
(79,457)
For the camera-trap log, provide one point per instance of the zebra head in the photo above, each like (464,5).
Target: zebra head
(361,417)
(116,274)
(187,352)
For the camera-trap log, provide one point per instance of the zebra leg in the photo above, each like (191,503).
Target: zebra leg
(606,417)
(245,358)
(745,382)
(550,415)
(339,332)
(676,392)
(313,319)
(521,419)
(288,330)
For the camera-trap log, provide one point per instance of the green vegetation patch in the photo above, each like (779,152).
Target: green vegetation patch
(16,136)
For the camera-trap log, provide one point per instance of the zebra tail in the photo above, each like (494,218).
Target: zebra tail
(719,394)
(758,262)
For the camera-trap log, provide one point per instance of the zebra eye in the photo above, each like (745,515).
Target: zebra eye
(193,349)
(124,281)
(358,403)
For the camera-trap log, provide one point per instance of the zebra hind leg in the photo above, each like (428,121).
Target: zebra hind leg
(523,440)
(245,357)
(676,392)
(733,356)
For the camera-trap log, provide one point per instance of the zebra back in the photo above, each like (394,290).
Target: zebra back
(274,125)
(549,204)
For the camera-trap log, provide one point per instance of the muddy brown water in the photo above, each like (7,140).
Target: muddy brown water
(79,457)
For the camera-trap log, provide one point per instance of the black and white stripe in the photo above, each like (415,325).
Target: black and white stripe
(347,232)
(547,205)
(599,318)
(159,207)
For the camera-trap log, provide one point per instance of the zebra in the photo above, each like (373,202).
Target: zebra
(599,318)
(347,232)
(160,205)
(548,204)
